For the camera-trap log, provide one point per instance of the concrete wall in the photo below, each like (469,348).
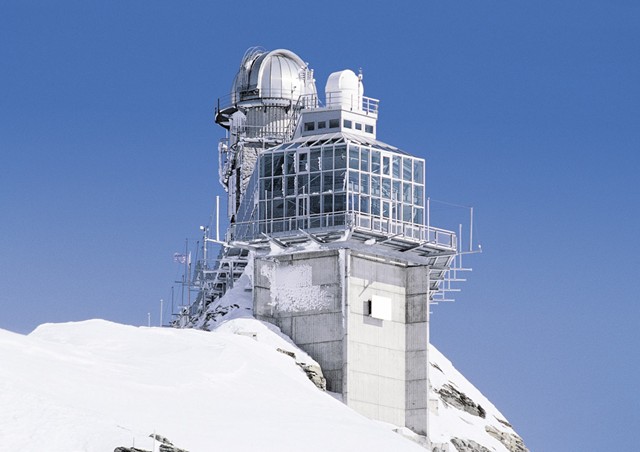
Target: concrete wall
(321,300)
(302,294)
(375,348)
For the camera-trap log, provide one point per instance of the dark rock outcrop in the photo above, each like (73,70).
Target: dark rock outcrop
(313,371)
(460,400)
(510,440)
(467,445)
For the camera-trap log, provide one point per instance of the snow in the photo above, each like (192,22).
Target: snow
(96,385)
(448,422)
(292,288)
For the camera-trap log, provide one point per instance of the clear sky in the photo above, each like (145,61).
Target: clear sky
(529,111)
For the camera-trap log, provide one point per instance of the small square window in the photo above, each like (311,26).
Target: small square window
(334,123)
(358,126)
(347,124)
(368,128)
(308,126)
(322,124)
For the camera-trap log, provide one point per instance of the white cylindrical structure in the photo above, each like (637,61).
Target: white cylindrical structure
(344,90)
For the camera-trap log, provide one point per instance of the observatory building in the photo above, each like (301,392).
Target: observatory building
(345,260)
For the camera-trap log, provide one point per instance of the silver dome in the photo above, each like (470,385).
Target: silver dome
(278,74)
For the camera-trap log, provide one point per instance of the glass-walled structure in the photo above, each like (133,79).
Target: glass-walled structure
(331,182)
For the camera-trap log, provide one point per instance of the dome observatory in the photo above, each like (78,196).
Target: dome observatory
(335,226)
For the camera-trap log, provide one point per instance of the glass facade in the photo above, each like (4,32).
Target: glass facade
(326,184)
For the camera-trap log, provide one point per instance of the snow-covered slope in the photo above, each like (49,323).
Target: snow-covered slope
(95,385)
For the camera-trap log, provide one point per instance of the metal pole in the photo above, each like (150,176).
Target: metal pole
(428,218)
(161,306)
(427,360)
(471,231)
(217,218)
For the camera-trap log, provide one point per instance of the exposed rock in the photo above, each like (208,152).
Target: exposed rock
(219,312)
(314,372)
(167,448)
(503,422)
(287,352)
(467,445)
(129,449)
(165,445)
(161,439)
(510,440)
(460,400)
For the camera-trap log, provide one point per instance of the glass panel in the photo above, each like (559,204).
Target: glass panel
(375,185)
(418,195)
(339,182)
(365,204)
(290,207)
(418,171)
(327,181)
(278,164)
(396,166)
(265,188)
(396,194)
(314,185)
(334,123)
(315,159)
(364,182)
(303,162)
(358,126)
(406,192)
(406,213)
(290,163)
(368,128)
(277,187)
(267,165)
(375,207)
(308,126)
(386,209)
(354,181)
(340,203)
(354,157)
(406,168)
(327,203)
(364,159)
(418,215)
(386,165)
(291,185)
(303,184)
(327,158)
(375,162)
(386,187)
(314,204)
(346,124)
(303,206)
(278,208)
(322,124)
(340,159)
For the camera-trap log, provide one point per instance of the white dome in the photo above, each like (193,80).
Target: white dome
(279,74)
(344,89)
(345,80)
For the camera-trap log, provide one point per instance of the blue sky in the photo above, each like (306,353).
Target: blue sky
(529,111)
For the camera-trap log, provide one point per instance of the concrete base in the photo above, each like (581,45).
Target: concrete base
(323,301)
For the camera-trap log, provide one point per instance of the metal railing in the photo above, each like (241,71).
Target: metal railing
(366,104)
(251,230)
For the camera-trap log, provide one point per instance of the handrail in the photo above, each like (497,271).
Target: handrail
(251,230)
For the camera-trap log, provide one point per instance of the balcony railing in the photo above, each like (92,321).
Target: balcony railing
(427,235)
